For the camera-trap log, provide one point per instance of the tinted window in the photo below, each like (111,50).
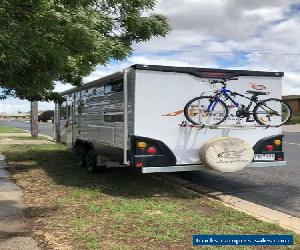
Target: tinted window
(64,111)
(108,89)
(113,117)
(114,87)
(117,87)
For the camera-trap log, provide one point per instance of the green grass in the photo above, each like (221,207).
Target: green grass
(4,129)
(295,119)
(120,209)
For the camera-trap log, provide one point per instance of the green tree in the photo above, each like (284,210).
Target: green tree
(43,41)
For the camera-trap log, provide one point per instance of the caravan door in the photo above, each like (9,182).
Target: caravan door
(66,122)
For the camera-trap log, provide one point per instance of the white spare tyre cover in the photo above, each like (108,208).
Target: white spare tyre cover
(226,154)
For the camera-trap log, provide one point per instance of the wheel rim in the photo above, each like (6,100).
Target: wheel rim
(273,113)
(205,111)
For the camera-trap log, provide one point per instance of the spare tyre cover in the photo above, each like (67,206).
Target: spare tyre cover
(226,154)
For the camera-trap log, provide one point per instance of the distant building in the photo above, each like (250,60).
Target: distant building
(294,102)
(19,115)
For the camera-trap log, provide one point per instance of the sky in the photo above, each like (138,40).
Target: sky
(254,35)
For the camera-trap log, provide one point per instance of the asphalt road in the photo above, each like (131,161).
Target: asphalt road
(44,128)
(277,188)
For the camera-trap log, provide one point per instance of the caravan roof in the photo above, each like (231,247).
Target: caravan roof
(199,72)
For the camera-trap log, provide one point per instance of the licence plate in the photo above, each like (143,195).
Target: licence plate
(264,157)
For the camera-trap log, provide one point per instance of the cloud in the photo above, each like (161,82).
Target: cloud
(257,35)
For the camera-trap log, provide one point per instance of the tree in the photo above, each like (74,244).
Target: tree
(43,41)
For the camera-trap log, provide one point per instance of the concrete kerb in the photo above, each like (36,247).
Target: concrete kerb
(259,212)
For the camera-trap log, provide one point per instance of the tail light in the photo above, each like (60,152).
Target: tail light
(147,148)
(152,150)
(149,152)
(141,145)
(277,142)
(139,164)
(269,147)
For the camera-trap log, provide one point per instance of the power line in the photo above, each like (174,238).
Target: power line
(223,52)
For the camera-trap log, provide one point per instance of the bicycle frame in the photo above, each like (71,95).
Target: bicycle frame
(226,93)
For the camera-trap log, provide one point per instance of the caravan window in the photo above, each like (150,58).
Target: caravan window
(100,91)
(108,89)
(80,107)
(70,110)
(118,86)
(64,111)
(114,116)
(114,87)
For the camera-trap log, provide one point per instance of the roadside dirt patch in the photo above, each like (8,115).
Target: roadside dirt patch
(69,208)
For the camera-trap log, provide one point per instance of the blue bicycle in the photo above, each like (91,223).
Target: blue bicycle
(212,110)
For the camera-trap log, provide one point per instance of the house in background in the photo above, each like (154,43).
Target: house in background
(294,102)
(15,116)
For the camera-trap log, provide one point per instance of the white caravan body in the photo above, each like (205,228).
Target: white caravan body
(145,103)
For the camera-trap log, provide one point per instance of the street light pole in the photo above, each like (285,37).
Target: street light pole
(34,119)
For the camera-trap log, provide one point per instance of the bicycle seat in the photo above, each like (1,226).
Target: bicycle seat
(253,92)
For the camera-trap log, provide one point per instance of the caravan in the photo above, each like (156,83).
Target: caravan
(135,118)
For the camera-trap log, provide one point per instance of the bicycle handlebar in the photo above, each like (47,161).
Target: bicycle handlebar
(223,81)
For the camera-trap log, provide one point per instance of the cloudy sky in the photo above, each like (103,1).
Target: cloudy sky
(235,34)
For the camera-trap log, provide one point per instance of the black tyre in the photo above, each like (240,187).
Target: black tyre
(272,112)
(91,161)
(82,160)
(196,111)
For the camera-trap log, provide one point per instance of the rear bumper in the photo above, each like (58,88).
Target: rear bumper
(186,168)
(268,164)
(170,169)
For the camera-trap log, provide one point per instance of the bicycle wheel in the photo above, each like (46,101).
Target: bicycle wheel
(272,112)
(206,110)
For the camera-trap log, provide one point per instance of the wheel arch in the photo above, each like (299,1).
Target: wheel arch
(82,147)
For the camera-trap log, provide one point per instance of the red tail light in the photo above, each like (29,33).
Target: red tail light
(269,147)
(152,150)
(139,164)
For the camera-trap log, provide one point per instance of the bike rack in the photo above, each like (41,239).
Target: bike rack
(226,126)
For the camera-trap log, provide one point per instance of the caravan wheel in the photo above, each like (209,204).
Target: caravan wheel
(91,161)
(82,160)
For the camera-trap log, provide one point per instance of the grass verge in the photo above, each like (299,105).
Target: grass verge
(4,129)
(69,208)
